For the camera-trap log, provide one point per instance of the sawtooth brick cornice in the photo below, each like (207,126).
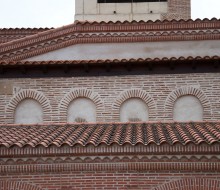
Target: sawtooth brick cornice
(110,32)
(117,166)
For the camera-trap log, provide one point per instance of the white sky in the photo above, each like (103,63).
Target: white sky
(54,13)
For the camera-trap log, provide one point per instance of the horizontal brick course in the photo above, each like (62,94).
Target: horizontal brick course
(115,180)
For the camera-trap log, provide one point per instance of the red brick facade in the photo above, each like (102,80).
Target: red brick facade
(156,155)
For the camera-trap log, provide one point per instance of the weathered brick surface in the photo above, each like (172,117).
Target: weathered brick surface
(109,90)
(178,9)
(113,180)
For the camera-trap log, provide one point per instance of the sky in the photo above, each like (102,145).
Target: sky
(55,13)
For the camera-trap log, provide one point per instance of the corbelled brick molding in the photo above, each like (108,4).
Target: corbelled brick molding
(80,93)
(118,32)
(188,90)
(135,93)
(29,94)
(191,184)
(8,185)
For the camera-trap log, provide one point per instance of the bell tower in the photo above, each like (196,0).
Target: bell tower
(121,10)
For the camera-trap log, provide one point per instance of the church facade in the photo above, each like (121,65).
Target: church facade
(112,104)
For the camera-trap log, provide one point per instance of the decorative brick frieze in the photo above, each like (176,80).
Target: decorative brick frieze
(80,93)
(188,90)
(116,166)
(29,94)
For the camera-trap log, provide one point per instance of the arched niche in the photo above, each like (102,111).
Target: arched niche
(28,111)
(133,110)
(192,183)
(15,185)
(81,110)
(187,108)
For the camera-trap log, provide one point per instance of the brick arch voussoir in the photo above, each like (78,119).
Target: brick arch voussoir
(191,184)
(187,90)
(80,93)
(28,94)
(136,93)
(8,185)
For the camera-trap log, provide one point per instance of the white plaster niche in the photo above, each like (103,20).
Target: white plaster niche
(28,111)
(133,110)
(188,108)
(81,110)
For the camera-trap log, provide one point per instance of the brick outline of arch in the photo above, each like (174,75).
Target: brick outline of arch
(187,90)
(8,185)
(135,93)
(80,93)
(191,184)
(29,94)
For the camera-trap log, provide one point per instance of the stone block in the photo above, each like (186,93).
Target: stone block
(6,88)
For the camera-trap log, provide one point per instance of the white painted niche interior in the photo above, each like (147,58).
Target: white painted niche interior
(28,111)
(188,108)
(133,110)
(81,110)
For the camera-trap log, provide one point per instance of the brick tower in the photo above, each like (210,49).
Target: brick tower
(121,10)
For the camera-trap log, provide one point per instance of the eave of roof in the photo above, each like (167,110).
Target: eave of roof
(107,61)
(110,133)
(86,32)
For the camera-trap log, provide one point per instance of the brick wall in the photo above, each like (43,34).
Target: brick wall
(108,92)
(112,180)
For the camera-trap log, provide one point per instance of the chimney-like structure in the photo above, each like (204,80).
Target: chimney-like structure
(121,10)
